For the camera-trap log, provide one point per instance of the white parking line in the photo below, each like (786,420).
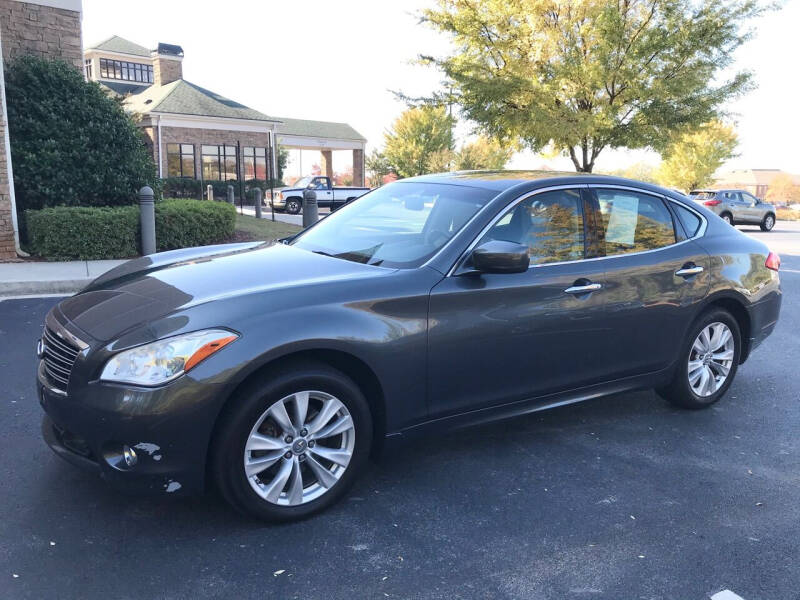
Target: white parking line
(726,595)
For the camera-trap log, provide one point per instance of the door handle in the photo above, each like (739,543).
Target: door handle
(583,289)
(688,271)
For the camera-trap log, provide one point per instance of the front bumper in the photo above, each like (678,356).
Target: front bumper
(168,428)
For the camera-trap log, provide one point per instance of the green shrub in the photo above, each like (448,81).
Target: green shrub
(181,187)
(92,233)
(71,143)
(182,223)
(85,233)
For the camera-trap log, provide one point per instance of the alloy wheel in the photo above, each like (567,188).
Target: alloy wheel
(726,218)
(711,359)
(299,448)
(769,222)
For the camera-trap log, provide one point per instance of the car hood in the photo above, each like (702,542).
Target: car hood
(150,287)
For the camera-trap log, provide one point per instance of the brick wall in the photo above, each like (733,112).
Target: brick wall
(358,167)
(29,28)
(198,137)
(166,70)
(6,226)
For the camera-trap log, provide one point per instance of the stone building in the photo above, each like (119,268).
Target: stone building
(49,28)
(199,134)
(192,132)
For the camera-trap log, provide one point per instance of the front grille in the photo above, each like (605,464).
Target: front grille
(59,356)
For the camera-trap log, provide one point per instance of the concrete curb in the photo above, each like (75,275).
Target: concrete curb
(28,278)
(34,288)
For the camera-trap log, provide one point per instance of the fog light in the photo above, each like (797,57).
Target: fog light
(129,455)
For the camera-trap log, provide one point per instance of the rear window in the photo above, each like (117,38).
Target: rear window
(704,195)
(690,221)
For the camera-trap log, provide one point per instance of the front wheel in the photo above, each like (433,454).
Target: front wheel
(768,223)
(293,206)
(293,444)
(708,362)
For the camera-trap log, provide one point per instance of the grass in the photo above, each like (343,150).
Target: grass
(250,228)
(787,214)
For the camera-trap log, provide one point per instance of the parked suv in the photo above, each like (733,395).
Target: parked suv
(737,207)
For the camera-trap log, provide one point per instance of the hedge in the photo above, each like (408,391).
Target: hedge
(92,233)
(183,187)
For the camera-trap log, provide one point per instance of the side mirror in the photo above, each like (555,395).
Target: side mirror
(498,256)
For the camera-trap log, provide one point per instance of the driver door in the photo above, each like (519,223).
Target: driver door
(321,185)
(497,338)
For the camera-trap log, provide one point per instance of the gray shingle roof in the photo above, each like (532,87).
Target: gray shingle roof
(123,88)
(118,44)
(318,129)
(183,98)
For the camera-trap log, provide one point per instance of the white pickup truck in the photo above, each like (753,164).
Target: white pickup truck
(291,199)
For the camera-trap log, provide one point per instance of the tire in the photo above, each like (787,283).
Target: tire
(680,391)
(293,206)
(253,412)
(727,217)
(768,223)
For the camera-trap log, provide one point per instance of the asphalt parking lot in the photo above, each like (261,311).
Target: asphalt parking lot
(620,498)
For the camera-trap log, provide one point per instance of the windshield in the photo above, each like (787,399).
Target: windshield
(399,225)
(302,182)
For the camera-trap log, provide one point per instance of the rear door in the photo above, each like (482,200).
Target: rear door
(733,201)
(497,338)
(655,274)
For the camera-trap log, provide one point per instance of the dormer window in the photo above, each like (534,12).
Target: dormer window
(126,71)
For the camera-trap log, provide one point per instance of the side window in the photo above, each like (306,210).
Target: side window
(550,224)
(690,221)
(749,198)
(319,183)
(634,222)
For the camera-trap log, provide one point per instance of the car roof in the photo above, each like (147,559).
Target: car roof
(500,181)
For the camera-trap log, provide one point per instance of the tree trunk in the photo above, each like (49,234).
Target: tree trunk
(589,149)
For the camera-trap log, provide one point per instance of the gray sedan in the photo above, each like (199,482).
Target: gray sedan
(737,207)
(272,372)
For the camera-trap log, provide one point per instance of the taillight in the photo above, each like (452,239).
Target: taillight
(712,202)
(773,261)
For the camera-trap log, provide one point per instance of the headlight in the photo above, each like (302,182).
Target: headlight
(280,195)
(167,359)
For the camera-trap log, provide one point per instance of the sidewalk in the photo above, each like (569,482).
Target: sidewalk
(30,278)
(284,217)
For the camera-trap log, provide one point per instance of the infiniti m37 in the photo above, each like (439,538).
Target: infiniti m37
(272,371)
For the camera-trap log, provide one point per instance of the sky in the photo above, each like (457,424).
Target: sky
(340,61)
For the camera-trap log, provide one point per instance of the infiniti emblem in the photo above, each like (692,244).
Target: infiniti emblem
(40,348)
(299,446)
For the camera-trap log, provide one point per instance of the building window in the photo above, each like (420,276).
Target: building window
(87,68)
(180,160)
(255,163)
(219,162)
(126,71)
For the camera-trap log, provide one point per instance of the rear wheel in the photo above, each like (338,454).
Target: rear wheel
(708,362)
(294,444)
(768,223)
(727,217)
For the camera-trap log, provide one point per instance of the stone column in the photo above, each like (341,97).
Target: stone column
(327,162)
(358,167)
